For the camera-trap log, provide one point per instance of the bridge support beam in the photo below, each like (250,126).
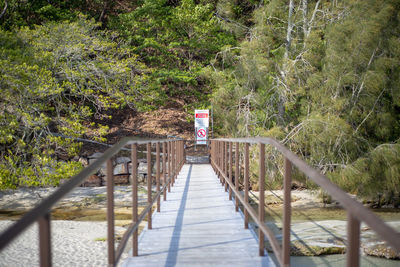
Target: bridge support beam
(353,241)
(158,174)
(45,241)
(230,169)
(237,174)
(149,225)
(287,186)
(110,213)
(246,184)
(261,210)
(164,168)
(134,199)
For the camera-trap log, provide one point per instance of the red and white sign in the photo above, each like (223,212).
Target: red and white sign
(201,136)
(201,122)
(201,115)
(201,118)
(201,133)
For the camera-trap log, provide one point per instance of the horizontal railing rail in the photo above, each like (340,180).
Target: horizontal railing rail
(173,160)
(222,162)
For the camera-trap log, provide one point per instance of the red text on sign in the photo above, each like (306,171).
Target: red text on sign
(201,115)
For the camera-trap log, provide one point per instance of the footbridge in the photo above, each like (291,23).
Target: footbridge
(199,214)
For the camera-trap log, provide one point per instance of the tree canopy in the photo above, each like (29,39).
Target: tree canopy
(321,76)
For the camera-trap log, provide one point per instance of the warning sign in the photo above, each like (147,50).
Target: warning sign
(201,118)
(201,136)
(201,122)
(201,133)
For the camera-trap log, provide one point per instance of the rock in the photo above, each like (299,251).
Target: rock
(122,160)
(83,161)
(142,168)
(94,156)
(119,180)
(298,248)
(121,169)
(154,167)
(122,165)
(92,181)
(142,177)
(381,250)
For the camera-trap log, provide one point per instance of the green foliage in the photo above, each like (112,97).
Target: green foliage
(61,71)
(177,41)
(324,81)
(54,79)
(27,13)
(375,176)
(331,94)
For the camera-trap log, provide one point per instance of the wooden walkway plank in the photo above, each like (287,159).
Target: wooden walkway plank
(197,226)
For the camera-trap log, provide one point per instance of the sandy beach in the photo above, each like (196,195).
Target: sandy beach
(74,243)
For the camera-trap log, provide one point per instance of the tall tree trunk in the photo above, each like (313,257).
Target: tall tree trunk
(289,30)
(284,71)
(305,20)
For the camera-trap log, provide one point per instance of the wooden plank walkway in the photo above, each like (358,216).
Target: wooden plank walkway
(197,226)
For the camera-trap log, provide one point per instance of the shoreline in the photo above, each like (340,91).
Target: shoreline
(317,228)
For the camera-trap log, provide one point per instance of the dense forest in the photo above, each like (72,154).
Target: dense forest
(323,77)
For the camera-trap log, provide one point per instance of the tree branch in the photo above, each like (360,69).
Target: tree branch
(5,9)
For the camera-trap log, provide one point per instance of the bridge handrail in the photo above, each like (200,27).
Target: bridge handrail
(40,213)
(357,213)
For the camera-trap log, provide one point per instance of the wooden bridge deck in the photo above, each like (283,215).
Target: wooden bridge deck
(197,226)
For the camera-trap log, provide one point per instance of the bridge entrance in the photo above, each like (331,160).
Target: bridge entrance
(196,154)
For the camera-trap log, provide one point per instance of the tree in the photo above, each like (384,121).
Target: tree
(55,78)
(177,39)
(321,76)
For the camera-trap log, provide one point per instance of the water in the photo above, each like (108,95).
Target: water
(340,260)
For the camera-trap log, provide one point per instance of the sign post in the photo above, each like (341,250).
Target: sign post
(201,124)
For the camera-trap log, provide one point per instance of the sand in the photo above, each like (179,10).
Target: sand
(73,244)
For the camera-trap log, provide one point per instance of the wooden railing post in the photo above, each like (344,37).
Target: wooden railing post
(287,187)
(224,159)
(182,153)
(176,160)
(169,165)
(45,241)
(214,156)
(158,174)
(261,211)
(134,199)
(246,184)
(230,169)
(211,154)
(219,160)
(353,241)
(226,165)
(110,213)
(178,157)
(237,174)
(173,161)
(149,223)
(164,168)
